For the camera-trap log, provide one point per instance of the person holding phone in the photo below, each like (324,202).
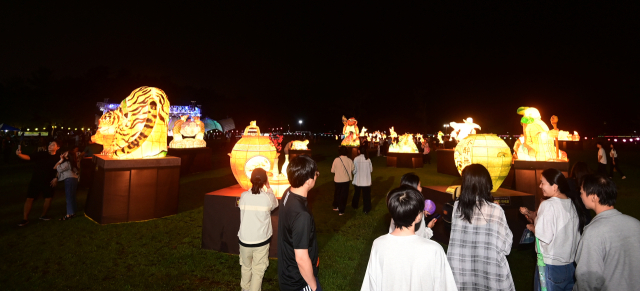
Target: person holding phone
(68,171)
(255,231)
(43,181)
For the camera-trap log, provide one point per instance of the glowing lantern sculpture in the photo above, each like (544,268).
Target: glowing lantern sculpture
(351,132)
(299,145)
(405,144)
(537,142)
(256,151)
(488,150)
(462,130)
(193,128)
(138,128)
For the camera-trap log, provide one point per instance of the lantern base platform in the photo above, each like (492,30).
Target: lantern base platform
(405,160)
(221,221)
(295,153)
(133,190)
(510,201)
(527,175)
(446,162)
(194,160)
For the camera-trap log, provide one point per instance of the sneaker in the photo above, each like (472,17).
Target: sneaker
(340,213)
(45,218)
(624,177)
(23,222)
(335,209)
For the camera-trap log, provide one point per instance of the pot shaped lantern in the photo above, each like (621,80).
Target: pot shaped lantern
(488,150)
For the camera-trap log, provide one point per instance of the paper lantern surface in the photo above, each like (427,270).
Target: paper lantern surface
(140,124)
(464,129)
(488,150)
(405,144)
(255,151)
(537,144)
(299,145)
(351,132)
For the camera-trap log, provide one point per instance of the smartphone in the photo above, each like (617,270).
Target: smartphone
(437,216)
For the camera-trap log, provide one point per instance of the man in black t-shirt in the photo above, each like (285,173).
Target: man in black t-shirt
(297,243)
(44,179)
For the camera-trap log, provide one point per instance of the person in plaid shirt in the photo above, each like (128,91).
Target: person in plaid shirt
(480,236)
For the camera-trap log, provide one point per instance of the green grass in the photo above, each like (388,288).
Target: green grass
(165,254)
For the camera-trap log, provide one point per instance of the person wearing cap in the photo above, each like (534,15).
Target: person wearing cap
(255,230)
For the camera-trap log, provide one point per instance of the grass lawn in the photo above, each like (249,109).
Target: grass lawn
(165,253)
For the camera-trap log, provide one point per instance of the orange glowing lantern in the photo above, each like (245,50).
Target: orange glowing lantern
(256,151)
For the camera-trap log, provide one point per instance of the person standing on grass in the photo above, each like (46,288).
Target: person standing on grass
(297,241)
(401,260)
(426,151)
(614,163)
(255,230)
(480,236)
(422,229)
(43,181)
(557,226)
(362,180)
(342,167)
(607,256)
(602,159)
(68,171)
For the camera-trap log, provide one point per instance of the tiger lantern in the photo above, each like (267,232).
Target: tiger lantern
(139,125)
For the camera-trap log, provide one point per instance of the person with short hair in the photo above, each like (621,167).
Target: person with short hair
(43,181)
(608,256)
(480,236)
(297,241)
(422,229)
(401,260)
(254,235)
(602,159)
(362,180)
(614,163)
(342,167)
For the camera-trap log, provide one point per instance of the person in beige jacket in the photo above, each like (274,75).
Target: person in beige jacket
(255,230)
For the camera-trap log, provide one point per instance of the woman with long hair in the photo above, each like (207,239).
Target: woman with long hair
(255,230)
(422,229)
(557,226)
(68,171)
(480,236)
(362,179)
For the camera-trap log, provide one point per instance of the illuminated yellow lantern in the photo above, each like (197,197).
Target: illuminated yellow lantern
(488,150)
(250,152)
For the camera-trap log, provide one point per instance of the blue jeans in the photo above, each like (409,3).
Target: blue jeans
(559,278)
(70,189)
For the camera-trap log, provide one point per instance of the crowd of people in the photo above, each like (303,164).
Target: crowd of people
(574,250)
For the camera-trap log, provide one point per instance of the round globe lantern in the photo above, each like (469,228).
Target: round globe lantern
(250,152)
(488,150)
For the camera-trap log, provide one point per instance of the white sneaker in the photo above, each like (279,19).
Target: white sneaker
(624,177)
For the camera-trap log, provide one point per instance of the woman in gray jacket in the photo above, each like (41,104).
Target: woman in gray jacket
(68,171)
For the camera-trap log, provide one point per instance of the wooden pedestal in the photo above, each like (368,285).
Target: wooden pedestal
(510,201)
(221,222)
(193,160)
(446,163)
(404,160)
(528,176)
(133,190)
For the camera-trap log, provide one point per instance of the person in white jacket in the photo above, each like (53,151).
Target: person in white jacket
(401,260)
(255,231)
(362,180)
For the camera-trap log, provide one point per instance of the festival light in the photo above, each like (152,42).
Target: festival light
(537,142)
(488,150)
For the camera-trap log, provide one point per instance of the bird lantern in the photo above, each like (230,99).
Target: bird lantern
(488,150)
(256,151)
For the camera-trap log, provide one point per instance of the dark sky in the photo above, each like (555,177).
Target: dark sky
(412,67)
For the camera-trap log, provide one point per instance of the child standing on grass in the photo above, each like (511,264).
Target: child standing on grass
(255,230)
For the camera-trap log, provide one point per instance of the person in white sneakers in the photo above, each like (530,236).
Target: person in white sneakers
(255,231)
(614,163)
(401,260)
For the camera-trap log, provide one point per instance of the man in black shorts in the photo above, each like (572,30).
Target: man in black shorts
(44,179)
(297,243)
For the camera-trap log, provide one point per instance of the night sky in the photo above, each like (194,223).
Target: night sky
(408,66)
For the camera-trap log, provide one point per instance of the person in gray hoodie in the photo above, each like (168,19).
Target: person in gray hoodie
(607,256)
